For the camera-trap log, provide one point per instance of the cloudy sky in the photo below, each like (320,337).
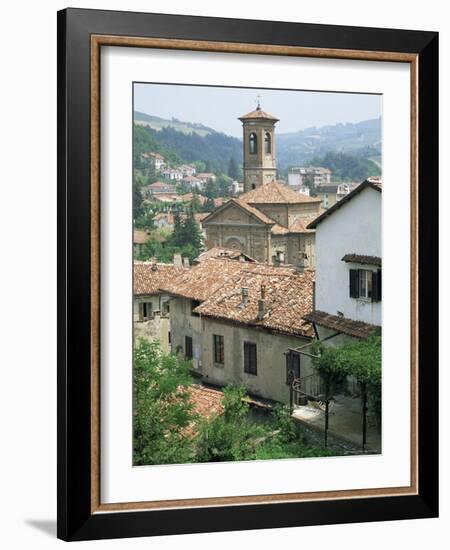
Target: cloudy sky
(219,107)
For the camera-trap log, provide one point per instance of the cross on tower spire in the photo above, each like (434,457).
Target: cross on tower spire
(258,102)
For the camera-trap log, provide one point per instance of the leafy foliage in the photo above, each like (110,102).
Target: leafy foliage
(162,407)
(345,166)
(361,359)
(214,149)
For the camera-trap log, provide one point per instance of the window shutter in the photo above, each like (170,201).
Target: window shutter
(289,368)
(354,283)
(376,286)
(141,312)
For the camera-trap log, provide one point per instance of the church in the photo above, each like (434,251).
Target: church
(268,222)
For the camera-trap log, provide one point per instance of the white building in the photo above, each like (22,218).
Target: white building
(348,263)
(172,174)
(156,159)
(317,174)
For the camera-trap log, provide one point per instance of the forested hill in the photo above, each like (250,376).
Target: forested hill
(361,139)
(181,141)
(214,149)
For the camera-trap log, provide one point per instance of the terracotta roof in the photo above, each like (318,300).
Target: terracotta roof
(300,225)
(160,185)
(275,192)
(147,281)
(258,114)
(207,403)
(217,252)
(374,183)
(206,175)
(140,236)
(219,201)
(360,259)
(168,216)
(166,197)
(358,329)
(278,229)
(287,298)
(190,197)
(202,280)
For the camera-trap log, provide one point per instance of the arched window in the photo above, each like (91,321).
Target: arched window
(267,143)
(253,145)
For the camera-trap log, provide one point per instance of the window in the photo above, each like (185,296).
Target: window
(250,364)
(252,143)
(145,311)
(365,284)
(194,304)
(267,143)
(188,347)
(218,349)
(292,367)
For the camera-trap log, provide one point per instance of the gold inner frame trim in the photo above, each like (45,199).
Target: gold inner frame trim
(97,41)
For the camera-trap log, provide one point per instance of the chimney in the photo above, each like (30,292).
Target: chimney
(244,293)
(177,260)
(261,309)
(262,303)
(154,266)
(186,262)
(301,261)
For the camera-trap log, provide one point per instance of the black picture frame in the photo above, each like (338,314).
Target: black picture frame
(75,518)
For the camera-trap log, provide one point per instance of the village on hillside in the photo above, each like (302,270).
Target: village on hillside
(257,308)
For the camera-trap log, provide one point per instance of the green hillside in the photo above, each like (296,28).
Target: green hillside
(214,149)
(157,123)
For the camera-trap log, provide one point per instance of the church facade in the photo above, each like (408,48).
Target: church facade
(269,221)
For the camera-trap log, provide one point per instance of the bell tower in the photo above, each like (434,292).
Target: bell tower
(259,148)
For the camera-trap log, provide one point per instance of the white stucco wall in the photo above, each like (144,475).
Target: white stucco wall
(355,228)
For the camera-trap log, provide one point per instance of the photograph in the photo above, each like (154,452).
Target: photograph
(257,273)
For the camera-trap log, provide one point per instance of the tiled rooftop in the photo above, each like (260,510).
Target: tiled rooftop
(147,280)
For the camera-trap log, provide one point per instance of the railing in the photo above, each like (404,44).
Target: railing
(312,386)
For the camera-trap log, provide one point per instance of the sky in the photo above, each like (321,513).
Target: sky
(219,107)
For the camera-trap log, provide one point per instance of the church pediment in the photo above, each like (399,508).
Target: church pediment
(234,213)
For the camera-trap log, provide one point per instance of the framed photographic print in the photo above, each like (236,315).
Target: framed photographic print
(247,274)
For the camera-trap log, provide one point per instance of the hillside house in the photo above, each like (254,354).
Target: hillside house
(155,159)
(331,193)
(140,238)
(204,177)
(151,310)
(157,188)
(172,174)
(316,174)
(236,320)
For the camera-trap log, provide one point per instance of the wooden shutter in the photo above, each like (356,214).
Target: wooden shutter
(250,364)
(354,283)
(376,286)
(141,312)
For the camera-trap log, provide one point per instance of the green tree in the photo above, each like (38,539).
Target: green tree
(209,205)
(229,436)
(191,232)
(162,407)
(233,168)
(211,190)
(362,361)
(178,236)
(138,209)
